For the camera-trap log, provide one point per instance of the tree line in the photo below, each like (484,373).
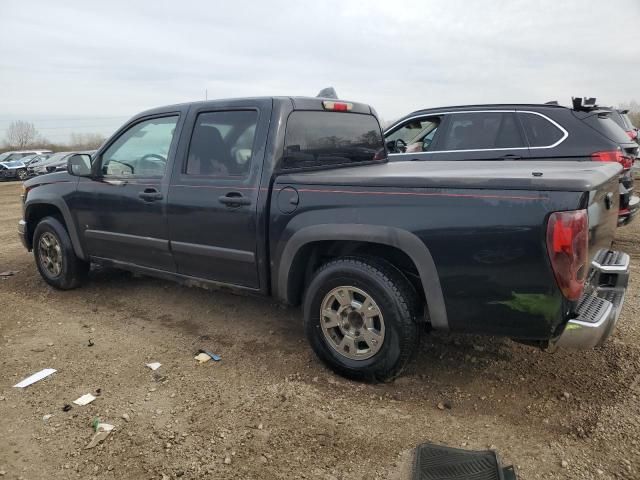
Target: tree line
(23,135)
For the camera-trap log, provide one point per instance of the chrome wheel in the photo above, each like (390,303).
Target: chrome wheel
(50,254)
(22,174)
(352,323)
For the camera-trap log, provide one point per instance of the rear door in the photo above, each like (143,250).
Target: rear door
(480,135)
(213,195)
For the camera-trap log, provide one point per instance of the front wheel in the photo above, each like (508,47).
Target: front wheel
(361,318)
(55,258)
(22,174)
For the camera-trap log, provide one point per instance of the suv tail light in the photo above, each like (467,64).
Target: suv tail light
(567,245)
(613,156)
(632,134)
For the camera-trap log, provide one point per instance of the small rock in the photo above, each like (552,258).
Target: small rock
(167,445)
(600,472)
(263,459)
(260,426)
(50,344)
(126,416)
(158,412)
(2,473)
(47,417)
(566,395)
(564,464)
(227,460)
(441,406)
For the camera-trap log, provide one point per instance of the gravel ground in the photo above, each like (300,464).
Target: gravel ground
(269,410)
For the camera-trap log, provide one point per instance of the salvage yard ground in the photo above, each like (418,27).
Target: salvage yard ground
(269,410)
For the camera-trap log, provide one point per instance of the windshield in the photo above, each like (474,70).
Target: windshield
(57,156)
(4,156)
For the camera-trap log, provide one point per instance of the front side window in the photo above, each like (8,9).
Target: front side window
(540,131)
(142,150)
(414,136)
(481,131)
(222,143)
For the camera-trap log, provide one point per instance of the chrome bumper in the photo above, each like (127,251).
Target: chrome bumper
(600,306)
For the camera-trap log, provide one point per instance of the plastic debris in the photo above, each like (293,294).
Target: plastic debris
(102,431)
(202,357)
(212,356)
(84,399)
(35,377)
(154,365)
(47,417)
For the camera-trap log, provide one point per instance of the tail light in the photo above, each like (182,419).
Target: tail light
(632,134)
(567,245)
(613,156)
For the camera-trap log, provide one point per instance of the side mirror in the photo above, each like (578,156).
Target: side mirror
(79,165)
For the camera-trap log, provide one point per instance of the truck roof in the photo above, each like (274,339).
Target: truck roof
(298,103)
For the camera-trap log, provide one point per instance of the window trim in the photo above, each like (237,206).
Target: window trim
(565,134)
(96,163)
(185,163)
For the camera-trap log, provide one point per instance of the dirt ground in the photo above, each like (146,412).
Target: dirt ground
(269,409)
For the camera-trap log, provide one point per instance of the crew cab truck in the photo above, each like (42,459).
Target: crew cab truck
(294,198)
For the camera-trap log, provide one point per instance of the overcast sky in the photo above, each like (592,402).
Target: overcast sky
(87,66)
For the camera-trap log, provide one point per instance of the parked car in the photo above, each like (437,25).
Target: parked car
(621,117)
(13,169)
(20,154)
(51,163)
(35,161)
(518,132)
(294,198)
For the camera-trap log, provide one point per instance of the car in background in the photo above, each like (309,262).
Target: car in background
(20,154)
(34,161)
(584,132)
(621,117)
(13,169)
(47,165)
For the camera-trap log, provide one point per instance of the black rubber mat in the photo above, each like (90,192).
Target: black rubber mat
(435,462)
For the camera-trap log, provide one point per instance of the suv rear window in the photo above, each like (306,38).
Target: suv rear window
(328,139)
(539,131)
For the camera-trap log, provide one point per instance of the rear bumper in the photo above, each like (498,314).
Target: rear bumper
(600,306)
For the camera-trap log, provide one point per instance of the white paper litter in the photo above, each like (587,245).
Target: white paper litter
(202,357)
(102,431)
(154,365)
(84,399)
(35,377)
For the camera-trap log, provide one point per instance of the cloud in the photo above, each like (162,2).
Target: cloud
(116,58)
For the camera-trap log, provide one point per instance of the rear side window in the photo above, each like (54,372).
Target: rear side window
(604,124)
(319,139)
(481,131)
(540,132)
(222,143)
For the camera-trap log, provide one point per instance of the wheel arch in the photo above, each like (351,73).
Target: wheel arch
(37,210)
(295,260)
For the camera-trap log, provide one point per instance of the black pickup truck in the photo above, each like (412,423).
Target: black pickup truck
(294,198)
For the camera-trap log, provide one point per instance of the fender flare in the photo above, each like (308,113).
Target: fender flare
(395,237)
(57,202)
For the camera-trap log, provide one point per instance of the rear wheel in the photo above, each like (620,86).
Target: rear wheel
(55,258)
(361,318)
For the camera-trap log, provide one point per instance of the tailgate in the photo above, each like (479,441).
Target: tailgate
(604,202)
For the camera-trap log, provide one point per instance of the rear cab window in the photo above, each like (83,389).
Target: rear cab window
(319,139)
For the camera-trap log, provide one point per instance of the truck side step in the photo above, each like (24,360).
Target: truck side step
(437,462)
(611,261)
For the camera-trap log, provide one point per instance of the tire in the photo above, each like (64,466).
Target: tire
(386,291)
(22,174)
(58,264)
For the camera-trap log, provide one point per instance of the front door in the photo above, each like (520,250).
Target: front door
(213,195)
(122,212)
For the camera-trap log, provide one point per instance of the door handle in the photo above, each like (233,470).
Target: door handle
(234,199)
(150,195)
(511,157)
